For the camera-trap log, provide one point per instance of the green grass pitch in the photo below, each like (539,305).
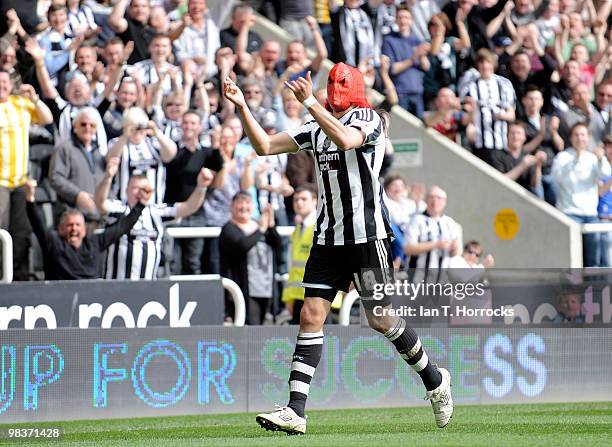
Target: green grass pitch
(556,425)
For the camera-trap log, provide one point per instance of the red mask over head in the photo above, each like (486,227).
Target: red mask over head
(345,88)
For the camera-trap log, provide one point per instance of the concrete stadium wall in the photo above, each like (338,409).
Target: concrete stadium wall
(545,237)
(477,192)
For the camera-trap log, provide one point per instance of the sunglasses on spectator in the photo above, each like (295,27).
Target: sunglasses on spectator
(93,125)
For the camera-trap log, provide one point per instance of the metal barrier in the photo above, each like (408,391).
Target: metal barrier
(209,232)
(600,227)
(344,316)
(230,286)
(7,256)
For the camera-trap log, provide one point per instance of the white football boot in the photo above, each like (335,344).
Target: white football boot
(282,419)
(441,400)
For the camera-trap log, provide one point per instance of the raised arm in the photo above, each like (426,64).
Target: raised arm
(125,223)
(116,19)
(43,114)
(35,216)
(319,43)
(103,188)
(167,145)
(263,143)
(38,56)
(345,138)
(195,200)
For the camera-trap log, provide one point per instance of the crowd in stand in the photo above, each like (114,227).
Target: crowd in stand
(129,97)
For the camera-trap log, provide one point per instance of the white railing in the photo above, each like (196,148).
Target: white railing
(600,227)
(7,257)
(344,316)
(210,232)
(230,286)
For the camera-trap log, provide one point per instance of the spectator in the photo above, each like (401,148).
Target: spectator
(115,103)
(524,12)
(138,255)
(603,103)
(85,63)
(561,92)
(77,166)
(8,61)
(297,59)
(300,173)
(604,206)
(247,248)
(353,34)
(142,150)
(515,164)
(8,53)
(133,27)
(408,57)
(154,70)
(292,19)
(403,202)
(254,95)
(182,174)
(200,40)
(521,74)
(576,172)
(78,95)
(268,60)
(69,253)
(570,308)
(469,266)
(571,33)
(494,102)
(305,206)
(581,110)
(477,19)
(422,13)
(235,176)
(431,239)
(243,19)
(549,22)
(401,207)
(57,41)
(81,19)
(542,134)
(445,54)
(18,113)
(447,117)
(167,113)
(322,13)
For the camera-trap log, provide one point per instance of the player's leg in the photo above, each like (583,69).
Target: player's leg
(321,281)
(376,256)
(308,348)
(306,357)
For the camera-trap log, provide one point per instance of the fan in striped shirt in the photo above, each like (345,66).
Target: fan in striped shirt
(137,254)
(431,239)
(348,141)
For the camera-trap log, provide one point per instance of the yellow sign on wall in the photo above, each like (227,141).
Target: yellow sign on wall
(506,224)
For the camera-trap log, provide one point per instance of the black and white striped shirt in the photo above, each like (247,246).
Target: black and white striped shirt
(137,254)
(144,159)
(351,208)
(491,96)
(428,266)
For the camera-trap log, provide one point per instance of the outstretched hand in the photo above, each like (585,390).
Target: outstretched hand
(31,185)
(112,166)
(205,178)
(301,88)
(233,93)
